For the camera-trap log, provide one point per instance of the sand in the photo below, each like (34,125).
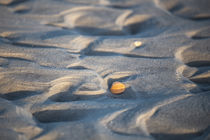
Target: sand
(59,58)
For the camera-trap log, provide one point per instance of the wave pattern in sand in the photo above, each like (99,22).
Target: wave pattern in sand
(58,60)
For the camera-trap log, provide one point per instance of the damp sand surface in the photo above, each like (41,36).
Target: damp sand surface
(59,58)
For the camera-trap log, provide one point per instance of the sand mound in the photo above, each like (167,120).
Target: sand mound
(191,9)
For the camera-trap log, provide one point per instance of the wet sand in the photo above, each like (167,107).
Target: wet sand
(59,58)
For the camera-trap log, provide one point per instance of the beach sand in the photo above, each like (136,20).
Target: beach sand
(59,58)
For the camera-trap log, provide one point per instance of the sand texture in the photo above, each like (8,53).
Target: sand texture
(59,58)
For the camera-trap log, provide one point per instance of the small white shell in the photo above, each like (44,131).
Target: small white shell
(137,43)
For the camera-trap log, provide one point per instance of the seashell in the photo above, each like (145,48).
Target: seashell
(137,43)
(117,88)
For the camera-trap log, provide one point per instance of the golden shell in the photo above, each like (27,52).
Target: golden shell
(117,88)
